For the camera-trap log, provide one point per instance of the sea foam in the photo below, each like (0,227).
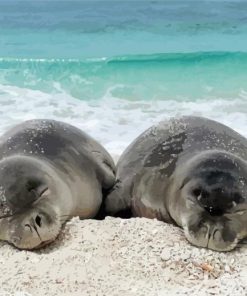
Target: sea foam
(113,121)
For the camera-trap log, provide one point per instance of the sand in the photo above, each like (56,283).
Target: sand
(120,257)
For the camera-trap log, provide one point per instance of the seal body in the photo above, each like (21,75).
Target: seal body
(49,172)
(190,171)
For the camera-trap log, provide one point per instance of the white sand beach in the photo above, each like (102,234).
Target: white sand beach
(135,257)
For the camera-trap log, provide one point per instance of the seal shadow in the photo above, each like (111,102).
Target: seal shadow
(101,215)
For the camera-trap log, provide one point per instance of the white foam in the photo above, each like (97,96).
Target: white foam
(114,122)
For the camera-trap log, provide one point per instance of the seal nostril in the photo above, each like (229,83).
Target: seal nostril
(38,220)
(214,211)
(216,234)
(29,227)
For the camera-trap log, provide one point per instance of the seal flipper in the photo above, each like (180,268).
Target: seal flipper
(107,169)
(109,174)
(148,199)
(115,203)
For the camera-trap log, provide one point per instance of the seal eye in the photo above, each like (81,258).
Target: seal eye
(197,192)
(32,185)
(237,198)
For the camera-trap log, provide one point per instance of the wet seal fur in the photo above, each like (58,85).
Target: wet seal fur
(190,171)
(49,172)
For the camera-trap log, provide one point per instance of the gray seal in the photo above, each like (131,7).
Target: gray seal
(49,172)
(190,171)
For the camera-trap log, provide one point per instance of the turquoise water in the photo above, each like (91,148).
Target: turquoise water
(115,67)
(83,29)
(183,76)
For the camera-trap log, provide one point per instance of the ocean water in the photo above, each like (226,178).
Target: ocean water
(113,68)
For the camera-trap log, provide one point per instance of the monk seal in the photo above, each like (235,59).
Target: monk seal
(50,171)
(190,171)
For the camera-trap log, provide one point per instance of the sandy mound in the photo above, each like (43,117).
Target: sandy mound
(122,257)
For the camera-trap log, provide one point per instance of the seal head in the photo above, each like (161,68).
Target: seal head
(29,191)
(213,201)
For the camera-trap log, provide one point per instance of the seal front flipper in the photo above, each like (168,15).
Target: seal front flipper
(148,198)
(139,196)
(106,169)
(116,203)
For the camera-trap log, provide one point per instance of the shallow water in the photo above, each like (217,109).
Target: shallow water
(115,68)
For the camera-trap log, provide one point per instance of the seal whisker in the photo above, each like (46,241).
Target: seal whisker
(243,243)
(241,212)
(68,215)
(7,216)
(62,221)
(65,217)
